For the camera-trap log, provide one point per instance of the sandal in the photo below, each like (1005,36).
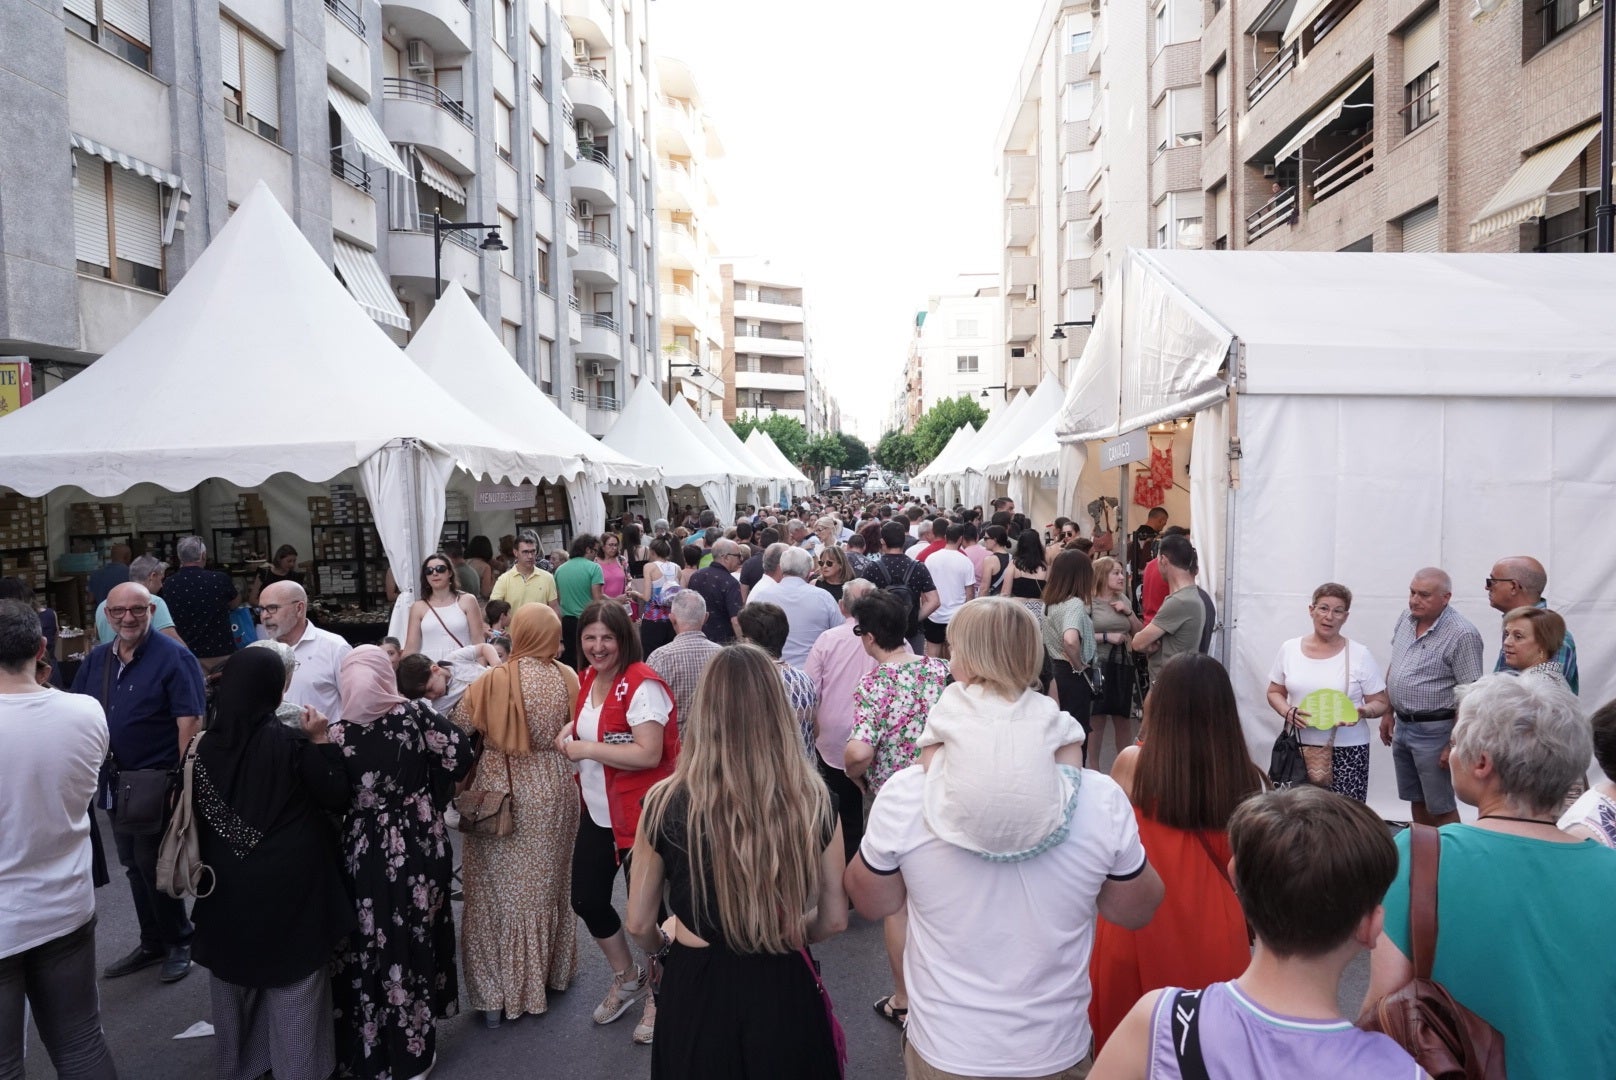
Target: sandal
(891,1015)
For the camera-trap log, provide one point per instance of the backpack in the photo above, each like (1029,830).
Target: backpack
(903,592)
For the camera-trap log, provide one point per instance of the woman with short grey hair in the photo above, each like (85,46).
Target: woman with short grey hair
(1522,906)
(286,712)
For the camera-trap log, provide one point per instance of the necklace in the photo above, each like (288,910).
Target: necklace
(1507,817)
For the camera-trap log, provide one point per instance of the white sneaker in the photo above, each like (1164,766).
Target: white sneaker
(625,991)
(645,1030)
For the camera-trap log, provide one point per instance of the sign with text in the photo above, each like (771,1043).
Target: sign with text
(1134,446)
(16,385)
(495,496)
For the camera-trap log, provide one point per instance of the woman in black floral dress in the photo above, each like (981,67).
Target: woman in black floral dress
(397,974)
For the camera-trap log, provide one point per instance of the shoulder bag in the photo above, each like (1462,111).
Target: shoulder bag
(1286,768)
(1446,1039)
(1223,872)
(838,1037)
(140,797)
(179,855)
(1321,759)
(486,813)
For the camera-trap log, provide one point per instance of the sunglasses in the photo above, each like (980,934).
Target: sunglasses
(437,569)
(827,562)
(1500,581)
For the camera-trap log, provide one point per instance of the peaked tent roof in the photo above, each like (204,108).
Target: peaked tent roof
(647,430)
(990,437)
(950,452)
(767,451)
(457,348)
(735,467)
(1034,431)
(259,307)
(743,453)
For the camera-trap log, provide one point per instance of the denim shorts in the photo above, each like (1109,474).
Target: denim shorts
(1416,754)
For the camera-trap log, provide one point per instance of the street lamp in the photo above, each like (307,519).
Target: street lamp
(1605,212)
(997,386)
(1060,333)
(440,231)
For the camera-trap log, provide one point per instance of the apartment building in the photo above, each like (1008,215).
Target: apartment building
(957,349)
(768,356)
(1402,125)
(118,164)
(688,278)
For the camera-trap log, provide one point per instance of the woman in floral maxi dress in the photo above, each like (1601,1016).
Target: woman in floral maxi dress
(396,975)
(519,936)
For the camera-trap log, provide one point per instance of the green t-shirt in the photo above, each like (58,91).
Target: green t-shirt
(1523,940)
(575,580)
(1181,619)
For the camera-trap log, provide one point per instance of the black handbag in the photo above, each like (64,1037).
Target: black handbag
(140,797)
(1286,769)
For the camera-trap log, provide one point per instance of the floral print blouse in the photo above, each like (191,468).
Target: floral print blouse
(890,706)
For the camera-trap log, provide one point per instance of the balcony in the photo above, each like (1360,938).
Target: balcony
(602,339)
(680,306)
(591,20)
(421,114)
(347,57)
(595,412)
(571,231)
(1023,322)
(677,248)
(768,311)
(1278,211)
(590,89)
(1020,225)
(1020,175)
(1343,168)
(575,320)
(353,210)
(676,187)
(1020,271)
(1271,73)
(1075,206)
(770,346)
(443,24)
(594,177)
(597,260)
(768,380)
(1075,66)
(1074,136)
(409,257)
(675,127)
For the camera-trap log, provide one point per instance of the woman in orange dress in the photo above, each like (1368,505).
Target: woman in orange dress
(1185,779)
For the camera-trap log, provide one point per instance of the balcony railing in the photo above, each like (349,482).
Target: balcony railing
(466,238)
(594,401)
(572,212)
(598,156)
(601,322)
(1271,73)
(348,172)
(1347,165)
(778,296)
(572,302)
(346,15)
(600,76)
(410,90)
(1331,18)
(1280,210)
(600,240)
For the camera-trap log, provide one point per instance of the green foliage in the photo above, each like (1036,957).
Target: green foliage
(825,452)
(788,434)
(896,452)
(855,455)
(938,425)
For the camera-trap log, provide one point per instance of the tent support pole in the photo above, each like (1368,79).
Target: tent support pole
(1226,635)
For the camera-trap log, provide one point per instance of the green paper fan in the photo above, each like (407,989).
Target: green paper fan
(1327,709)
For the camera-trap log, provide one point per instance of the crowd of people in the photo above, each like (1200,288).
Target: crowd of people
(765,723)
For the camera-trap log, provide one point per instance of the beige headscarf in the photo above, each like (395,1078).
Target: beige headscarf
(495,699)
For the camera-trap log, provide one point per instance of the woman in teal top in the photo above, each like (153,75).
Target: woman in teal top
(1523,910)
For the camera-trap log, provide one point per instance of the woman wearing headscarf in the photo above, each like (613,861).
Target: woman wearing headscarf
(397,975)
(262,792)
(518,935)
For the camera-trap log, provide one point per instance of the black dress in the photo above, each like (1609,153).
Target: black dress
(723,1013)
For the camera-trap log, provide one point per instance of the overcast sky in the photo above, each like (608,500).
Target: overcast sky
(860,140)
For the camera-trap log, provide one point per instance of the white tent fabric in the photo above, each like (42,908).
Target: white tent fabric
(744,477)
(647,430)
(1033,435)
(931,478)
(1172,352)
(773,482)
(1093,405)
(969,472)
(766,451)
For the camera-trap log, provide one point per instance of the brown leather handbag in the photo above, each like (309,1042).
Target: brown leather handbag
(1447,1040)
(486,813)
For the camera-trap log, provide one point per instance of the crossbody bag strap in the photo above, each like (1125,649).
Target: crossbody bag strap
(1184,1016)
(446,630)
(1425,856)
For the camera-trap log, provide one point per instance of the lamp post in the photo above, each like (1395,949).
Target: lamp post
(694,369)
(1605,213)
(1060,332)
(440,232)
(997,386)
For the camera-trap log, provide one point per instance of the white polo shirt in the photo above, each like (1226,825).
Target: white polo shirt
(319,656)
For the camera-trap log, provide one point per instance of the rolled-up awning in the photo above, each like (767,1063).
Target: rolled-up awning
(1320,120)
(367,133)
(438,177)
(1526,194)
(178,204)
(363,276)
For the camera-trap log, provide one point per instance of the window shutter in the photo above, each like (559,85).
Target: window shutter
(1420,230)
(90,210)
(502,126)
(84,9)
(450,82)
(133,17)
(137,218)
(1421,47)
(263,81)
(230,53)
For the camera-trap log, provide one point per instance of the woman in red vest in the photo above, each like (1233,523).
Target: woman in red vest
(624,738)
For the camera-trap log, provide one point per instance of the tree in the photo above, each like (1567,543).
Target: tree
(788,434)
(855,455)
(825,452)
(896,452)
(937,426)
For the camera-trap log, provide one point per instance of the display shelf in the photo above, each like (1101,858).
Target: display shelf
(30,562)
(348,563)
(457,530)
(159,543)
(231,543)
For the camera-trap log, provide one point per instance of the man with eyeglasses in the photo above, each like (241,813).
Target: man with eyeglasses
(147,571)
(1518,581)
(283,612)
(717,586)
(527,582)
(150,688)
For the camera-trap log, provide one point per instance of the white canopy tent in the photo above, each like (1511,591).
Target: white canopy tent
(773,483)
(1034,438)
(968,472)
(458,349)
(937,478)
(648,430)
(1359,416)
(749,479)
(765,450)
(260,363)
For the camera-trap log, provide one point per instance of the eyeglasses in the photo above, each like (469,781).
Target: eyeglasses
(437,569)
(1500,580)
(827,562)
(133,612)
(1331,612)
(270,609)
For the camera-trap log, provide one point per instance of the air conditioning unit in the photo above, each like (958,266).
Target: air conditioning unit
(1017,352)
(418,56)
(580,52)
(594,369)
(1032,294)
(586,210)
(586,132)
(1269,172)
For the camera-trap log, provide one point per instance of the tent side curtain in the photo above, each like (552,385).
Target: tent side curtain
(1173,352)
(365,131)
(1526,194)
(363,276)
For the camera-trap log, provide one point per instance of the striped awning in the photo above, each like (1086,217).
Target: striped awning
(438,177)
(1526,194)
(179,202)
(367,133)
(363,276)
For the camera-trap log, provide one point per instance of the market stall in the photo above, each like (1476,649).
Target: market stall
(777,481)
(648,430)
(764,449)
(938,478)
(998,474)
(751,481)
(1359,416)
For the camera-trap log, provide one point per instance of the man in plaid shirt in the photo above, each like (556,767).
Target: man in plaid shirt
(681,661)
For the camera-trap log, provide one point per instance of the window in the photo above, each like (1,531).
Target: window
(1079,100)
(1161,236)
(1561,15)
(632,322)
(546,361)
(503,136)
(541,155)
(535,61)
(1078,41)
(1220,96)
(965,328)
(507,232)
(117,223)
(1422,78)
(507,336)
(505,26)
(966,365)
(1189,232)
(541,265)
(122,27)
(1159,21)
(252,84)
(1184,107)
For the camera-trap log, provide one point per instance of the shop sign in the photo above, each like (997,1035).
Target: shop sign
(16,385)
(1134,446)
(496,496)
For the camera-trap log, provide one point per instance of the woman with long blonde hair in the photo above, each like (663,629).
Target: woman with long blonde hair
(1115,624)
(739,990)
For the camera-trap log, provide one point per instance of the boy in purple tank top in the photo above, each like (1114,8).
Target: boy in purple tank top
(1310,868)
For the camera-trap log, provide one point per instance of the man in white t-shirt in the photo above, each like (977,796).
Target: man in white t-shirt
(997,960)
(284,610)
(954,575)
(51,748)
